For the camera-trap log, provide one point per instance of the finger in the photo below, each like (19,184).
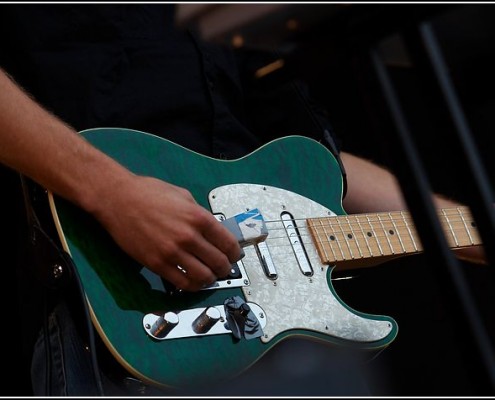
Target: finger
(196,270)
(187,280)
(224,240)
(211,257)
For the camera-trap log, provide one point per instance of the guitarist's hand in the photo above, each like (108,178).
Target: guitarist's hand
(158,224)
(161,226)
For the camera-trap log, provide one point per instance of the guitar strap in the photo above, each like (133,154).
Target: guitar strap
(53,268)
(50,264)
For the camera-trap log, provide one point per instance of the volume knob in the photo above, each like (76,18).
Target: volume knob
(164,324)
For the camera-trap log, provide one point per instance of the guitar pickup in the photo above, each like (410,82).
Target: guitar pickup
(297,244)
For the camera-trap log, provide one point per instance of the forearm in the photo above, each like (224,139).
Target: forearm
(370,188)
(39,145)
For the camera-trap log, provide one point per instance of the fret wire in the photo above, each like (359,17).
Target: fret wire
(410,233)
(451,231)
(326,236)
(398,233)
(374,235)
(465,225)
(346,241)
(338,243)
(364,235)
(354,236)
(335,240)
(320,241)
(388,239)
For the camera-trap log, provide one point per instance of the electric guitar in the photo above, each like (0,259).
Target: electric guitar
(290,191)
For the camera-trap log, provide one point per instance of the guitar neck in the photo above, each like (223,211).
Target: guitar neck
(353,237)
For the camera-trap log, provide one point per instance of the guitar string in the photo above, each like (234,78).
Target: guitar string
(396,224)
(395,248)
(336,220)
(393,228)
(397,239)
(376,235)
(395,218)
(456,220)
(358,238)
(402,214)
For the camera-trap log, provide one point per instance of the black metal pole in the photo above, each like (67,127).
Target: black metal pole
(481,191)
(418,197)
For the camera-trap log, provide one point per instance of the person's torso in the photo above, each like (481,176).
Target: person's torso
(127,66)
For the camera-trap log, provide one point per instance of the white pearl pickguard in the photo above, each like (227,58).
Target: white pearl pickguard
(293,300)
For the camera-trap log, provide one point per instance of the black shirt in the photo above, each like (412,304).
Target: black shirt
(128,66)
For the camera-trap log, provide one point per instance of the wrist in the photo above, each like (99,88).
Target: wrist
(102,188)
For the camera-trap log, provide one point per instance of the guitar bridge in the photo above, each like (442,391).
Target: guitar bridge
(236,278)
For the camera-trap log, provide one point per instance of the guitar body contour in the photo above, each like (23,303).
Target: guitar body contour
(295,175)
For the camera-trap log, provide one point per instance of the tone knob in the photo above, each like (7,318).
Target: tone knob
(204,322)
(164,324)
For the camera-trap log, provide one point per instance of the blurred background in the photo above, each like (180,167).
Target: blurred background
(410,86)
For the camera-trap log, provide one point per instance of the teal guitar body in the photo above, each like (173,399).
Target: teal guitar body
(149,327)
